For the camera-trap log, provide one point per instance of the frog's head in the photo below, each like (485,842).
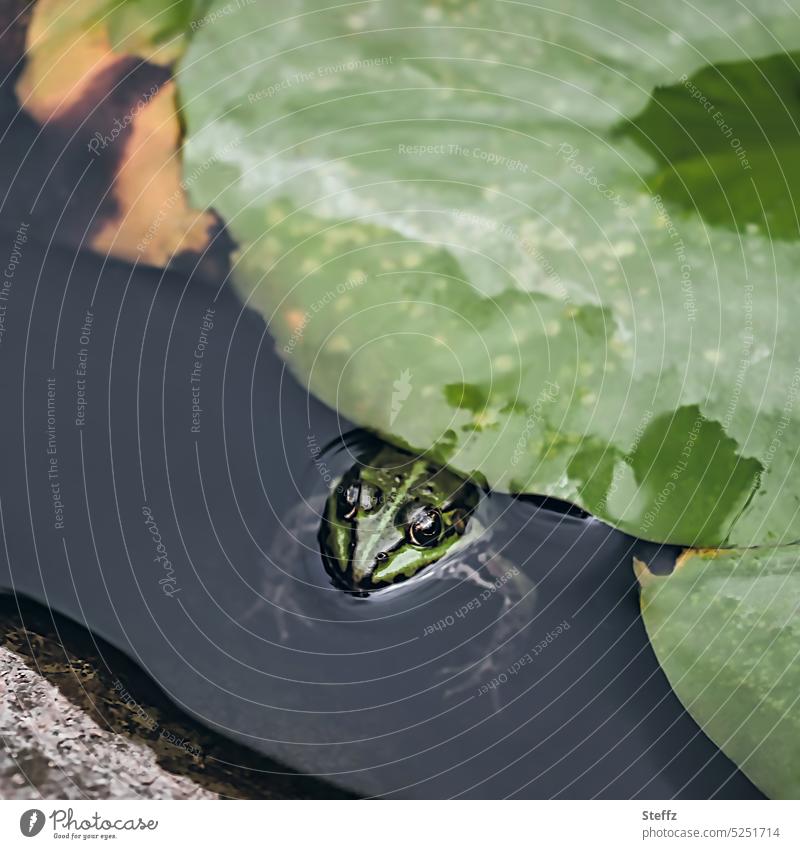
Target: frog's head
(391,516)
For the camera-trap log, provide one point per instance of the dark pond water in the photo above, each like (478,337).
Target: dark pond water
(169,502)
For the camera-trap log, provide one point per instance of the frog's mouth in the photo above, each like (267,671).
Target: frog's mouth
(345,577)
(387,570)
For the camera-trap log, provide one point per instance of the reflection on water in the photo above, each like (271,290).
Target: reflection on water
(517,666)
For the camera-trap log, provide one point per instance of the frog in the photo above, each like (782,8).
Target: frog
(393,519)
(391,516)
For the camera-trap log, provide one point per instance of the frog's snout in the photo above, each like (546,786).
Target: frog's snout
(348,575)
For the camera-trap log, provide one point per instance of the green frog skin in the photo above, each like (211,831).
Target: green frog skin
(391,516)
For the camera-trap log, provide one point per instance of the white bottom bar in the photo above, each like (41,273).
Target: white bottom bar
(406,825)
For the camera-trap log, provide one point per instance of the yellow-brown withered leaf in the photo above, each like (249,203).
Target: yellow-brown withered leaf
(84,72)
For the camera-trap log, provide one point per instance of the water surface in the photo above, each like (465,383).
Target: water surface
(161,473)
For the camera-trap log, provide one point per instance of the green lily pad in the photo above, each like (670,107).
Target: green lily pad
(725,627)
(726,141)
(469,228)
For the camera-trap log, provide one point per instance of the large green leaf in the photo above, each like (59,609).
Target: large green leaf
(445,212)
(726,630)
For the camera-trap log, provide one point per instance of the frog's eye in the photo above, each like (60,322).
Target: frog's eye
(425,527)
